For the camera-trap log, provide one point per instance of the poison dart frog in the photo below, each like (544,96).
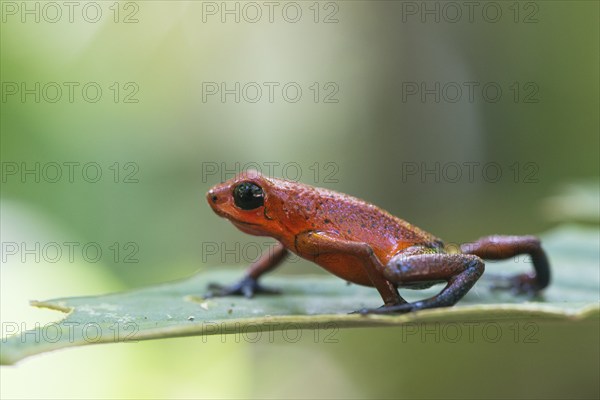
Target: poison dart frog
(361,243)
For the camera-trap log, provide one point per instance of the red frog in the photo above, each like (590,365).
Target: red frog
(361,243)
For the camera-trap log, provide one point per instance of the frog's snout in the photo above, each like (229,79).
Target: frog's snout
(217,198)
(212,197)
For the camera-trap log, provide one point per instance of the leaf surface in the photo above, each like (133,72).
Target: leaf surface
(310,302)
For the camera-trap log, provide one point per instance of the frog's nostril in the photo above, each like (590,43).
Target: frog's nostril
(214,198)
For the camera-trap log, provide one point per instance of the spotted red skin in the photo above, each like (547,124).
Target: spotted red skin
(291,208)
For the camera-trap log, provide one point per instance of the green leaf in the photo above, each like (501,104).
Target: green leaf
(309,302)
(575,201)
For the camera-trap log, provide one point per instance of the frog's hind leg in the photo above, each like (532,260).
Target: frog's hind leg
(461,271)
(503,247)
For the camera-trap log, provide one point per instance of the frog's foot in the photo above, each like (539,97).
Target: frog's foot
(517,284)
(393,309)
(246,287)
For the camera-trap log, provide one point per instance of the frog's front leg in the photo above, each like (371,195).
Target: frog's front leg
(460,271)
(248,286)
(315,243)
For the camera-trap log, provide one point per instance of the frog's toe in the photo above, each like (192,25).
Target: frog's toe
(518,284)
(266,290)
(217,290)
(246,287)
(394,309)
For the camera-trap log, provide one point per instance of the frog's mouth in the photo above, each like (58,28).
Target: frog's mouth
(243,223)
(220,212)
(238,223)
(248,227)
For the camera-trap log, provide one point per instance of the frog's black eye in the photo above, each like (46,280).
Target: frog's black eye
(248,196)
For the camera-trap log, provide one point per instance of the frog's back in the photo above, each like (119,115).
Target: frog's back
(358,219)
(355,219)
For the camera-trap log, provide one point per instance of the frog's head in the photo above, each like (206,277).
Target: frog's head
(246,201)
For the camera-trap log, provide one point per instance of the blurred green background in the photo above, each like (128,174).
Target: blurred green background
(370,122)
